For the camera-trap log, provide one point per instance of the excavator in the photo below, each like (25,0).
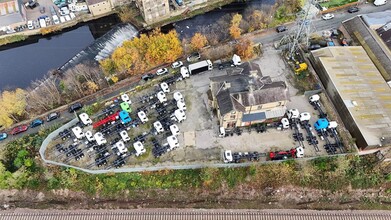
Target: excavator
(299,67)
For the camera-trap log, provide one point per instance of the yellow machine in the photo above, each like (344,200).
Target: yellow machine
(299,67)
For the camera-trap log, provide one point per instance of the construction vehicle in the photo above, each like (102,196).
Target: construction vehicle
(297,152)
(300,67)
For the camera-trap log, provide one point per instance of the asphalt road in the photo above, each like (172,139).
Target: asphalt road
(319,25)
(266,37)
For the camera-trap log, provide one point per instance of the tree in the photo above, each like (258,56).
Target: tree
(234,29)
(13,105)
(245,49)
(108,66)
(198,41)
(258,20)
(146,51)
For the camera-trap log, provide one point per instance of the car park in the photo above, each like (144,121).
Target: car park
(75,107)
(52,116)
(353,9)
(147,76)
(328,16)
(36,123)
(3,136)
(161,71)
(176,64)
(19,129)
(165,88)
(193,57)
(281,29)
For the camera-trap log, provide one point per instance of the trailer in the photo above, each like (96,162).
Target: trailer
(199,67)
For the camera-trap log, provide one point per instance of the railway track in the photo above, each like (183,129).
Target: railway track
(197,215)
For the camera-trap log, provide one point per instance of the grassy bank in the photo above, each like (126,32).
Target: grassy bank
(12,39)
(336,3)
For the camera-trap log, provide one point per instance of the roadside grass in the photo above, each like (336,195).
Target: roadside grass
(336,3)
(12,39)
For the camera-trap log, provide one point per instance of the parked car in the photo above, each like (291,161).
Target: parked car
(19,129)
(3,136)
(147,76)
(52,116)
(177,64)
(314,47)
(193,57)
(353,9)
(161,71)
(42,9)
(30,25)
(327,16)
(36,123)
(281,29)
(74,107)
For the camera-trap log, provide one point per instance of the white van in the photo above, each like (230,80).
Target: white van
(379,2)
(42,22)
(55,19)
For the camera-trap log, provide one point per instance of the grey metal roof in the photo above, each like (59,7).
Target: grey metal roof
(9,19)
(146,214)
(377,19)
(361,34)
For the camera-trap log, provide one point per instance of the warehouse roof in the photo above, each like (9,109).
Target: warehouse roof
(385,34)
(359,83)
(359,31)
(377,19)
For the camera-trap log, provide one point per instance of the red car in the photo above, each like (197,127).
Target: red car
(19,129)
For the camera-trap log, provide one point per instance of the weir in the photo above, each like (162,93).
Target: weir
(104,46)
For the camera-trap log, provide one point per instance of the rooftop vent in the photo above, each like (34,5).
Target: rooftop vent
(354,103)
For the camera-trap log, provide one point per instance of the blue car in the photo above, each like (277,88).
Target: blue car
(3,136)
(36,123)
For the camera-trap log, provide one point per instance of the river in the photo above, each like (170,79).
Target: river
(22,63)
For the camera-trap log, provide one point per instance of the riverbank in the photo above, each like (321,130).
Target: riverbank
(21,36)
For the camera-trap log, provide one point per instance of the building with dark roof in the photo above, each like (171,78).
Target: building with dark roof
(359,29)
(244,97)
(384,33)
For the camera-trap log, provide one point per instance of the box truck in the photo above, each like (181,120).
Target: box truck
(199,67)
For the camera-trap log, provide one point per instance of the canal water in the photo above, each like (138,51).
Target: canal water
(21,63)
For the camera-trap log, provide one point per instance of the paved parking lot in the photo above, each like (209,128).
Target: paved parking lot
(198,137)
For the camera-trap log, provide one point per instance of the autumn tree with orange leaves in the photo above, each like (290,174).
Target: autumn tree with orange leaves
(137,55)
(245,49)
(234,29)
(198,41)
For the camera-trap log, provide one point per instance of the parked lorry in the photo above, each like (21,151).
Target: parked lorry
(297,152)
(199,67)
